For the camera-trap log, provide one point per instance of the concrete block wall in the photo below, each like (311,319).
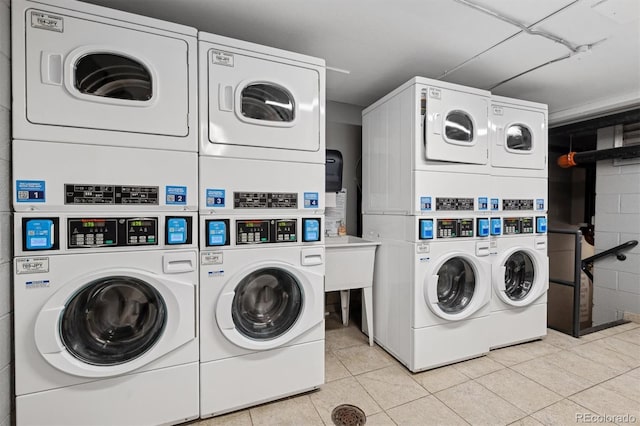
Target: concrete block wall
(616,283)
(6,250)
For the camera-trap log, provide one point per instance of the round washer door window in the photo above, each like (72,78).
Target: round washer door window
(456,285)
(267,303)
(519,274)
(113,320)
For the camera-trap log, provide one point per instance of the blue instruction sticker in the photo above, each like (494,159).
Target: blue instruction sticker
(311,200)
(495,204)
(215,197)
(30,191)
(425,203)
(176,195)
(540,204)
(483,203)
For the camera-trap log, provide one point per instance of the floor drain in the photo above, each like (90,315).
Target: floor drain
(348,415)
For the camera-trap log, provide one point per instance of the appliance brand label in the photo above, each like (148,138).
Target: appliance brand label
(47,22)
(211,258)
(30,191)
(434,93)
(497,110)
(32,265)
(37,284)
(176,195)
(219,57)
(213,274)
(215,197)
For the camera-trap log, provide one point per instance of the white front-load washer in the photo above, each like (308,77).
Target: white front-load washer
(420,139)
(261,310)
(92,75)
(520,278)
(431,289)
(105,311)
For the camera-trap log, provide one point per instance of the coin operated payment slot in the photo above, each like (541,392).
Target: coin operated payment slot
(496,226)
(178,230)
(40,234)
(311,230)
(541,225)
(483,227)
(426,229)
(217,232)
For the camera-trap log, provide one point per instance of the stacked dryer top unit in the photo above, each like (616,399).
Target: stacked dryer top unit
(424,141)
(432,288)
(105,318)
(104,109)
(261,309)
(262,128)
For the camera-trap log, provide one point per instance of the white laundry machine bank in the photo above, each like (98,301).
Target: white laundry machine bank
(92,75)
(106,318)
(261,309)
(432,288)
(520,278)
(427,139)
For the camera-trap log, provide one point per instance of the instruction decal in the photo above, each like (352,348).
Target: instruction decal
(32,265)
(425,204)
(176,195)
(215,197)
(30,191)
(311,200)
(219,57)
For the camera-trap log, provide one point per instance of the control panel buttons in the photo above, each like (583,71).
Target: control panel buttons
(496,226)
(39,234)
(541,225)
(483,227)
(426,229)
(310,230)
(217,232)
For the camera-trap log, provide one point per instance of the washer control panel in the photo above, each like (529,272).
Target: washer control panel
(110,194)
(265,200)
(517,225)
(112,231)
(454,228)
(259,231)
(517,204)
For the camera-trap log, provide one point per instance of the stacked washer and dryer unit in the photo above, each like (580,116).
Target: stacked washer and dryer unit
(519,172)
(438,185)
(426,183)
(262,172)
(105,198)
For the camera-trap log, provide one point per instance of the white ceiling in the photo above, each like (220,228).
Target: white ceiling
(383,43)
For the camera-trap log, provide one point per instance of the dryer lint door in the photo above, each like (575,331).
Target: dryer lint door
(262,102)
(520,277)
(518,138)
(457,287)
(83,73)
(454,126)
(267,306)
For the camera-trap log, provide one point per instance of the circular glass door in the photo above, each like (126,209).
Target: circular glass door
(456,285)
(458,127)
(519,273)
(266,303)
(267,102)
(112,320)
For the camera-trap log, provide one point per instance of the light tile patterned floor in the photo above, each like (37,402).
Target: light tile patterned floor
(548,382)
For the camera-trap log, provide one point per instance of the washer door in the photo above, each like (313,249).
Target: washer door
(519,278)
(108,324)
(268,305)
(457,286)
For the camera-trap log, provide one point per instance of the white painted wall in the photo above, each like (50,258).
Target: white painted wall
(616,283)
(6,304)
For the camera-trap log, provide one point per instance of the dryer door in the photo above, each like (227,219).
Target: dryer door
(108,324)
(262,102)
(83,73)
(457,287)
(455,126)
(268,305)
(518,139)
(520,277)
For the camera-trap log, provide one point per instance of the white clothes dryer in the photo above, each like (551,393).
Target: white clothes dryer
(261,310)
(422,135)
(431,290)
(518,138)
(257,102)
(105,319)
(520,277)
(92,75)
(63,177)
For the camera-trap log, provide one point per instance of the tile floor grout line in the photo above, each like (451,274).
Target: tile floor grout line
(451,408)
